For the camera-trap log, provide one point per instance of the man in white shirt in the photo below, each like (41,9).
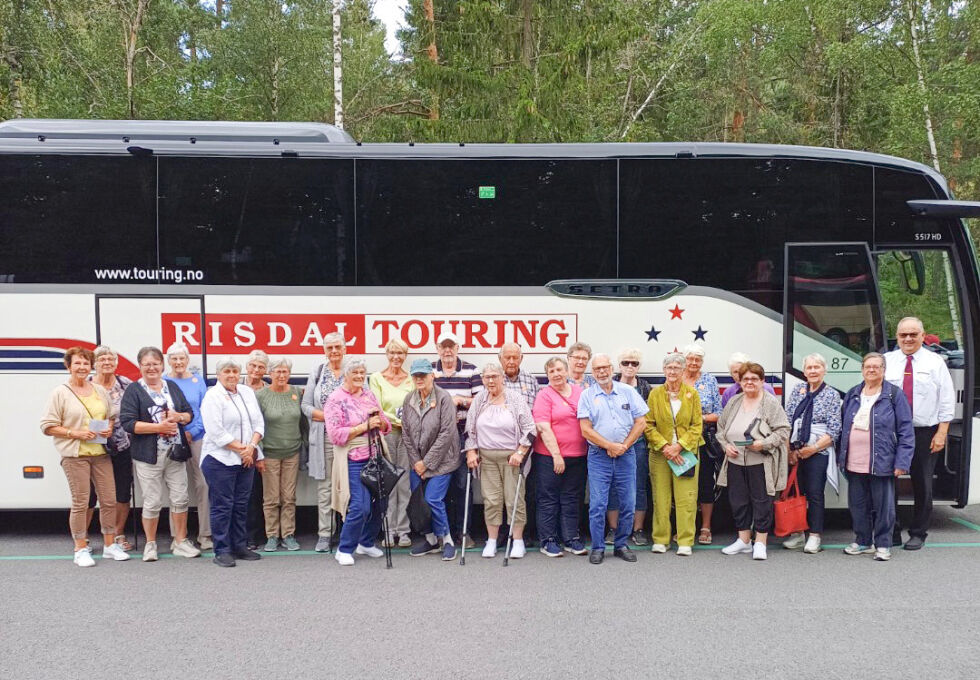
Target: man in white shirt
(928,386)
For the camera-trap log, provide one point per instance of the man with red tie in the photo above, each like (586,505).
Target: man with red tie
(928,386)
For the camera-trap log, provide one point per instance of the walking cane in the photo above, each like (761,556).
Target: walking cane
(510,532)
(466,516)
(132,505)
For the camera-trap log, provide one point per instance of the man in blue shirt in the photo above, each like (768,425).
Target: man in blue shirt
(611,415)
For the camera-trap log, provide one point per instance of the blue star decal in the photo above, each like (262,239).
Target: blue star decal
(652,334)
(699,333)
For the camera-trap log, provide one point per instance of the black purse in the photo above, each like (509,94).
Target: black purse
(379,475)
(714,448)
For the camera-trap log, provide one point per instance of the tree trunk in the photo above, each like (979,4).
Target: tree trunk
(920,75)
(527,37)
(432,51)
(131,32)
(219,10)
(338,72)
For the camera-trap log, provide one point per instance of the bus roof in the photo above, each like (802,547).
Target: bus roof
(232,138)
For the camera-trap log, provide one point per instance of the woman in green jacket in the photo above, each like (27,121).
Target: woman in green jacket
(673,433)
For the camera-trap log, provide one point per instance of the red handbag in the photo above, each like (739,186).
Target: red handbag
(790,509)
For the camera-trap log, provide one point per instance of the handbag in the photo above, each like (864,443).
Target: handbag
(379,472)
(790,509)
(418,511)
(714,448)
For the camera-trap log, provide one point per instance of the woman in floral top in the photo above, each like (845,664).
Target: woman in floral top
(707,388)
(350,412)
(814,414)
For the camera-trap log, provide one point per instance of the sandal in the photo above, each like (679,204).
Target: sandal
(704,538)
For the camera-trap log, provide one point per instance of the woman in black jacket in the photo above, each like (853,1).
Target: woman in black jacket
(154,412)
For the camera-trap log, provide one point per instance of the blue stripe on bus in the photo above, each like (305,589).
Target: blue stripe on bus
(32,366)
(30,354)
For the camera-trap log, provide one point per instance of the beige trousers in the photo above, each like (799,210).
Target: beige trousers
(83,473)
(498,484)
(398,500)
(279,496)
(324,495)
(197,492)
(157,480)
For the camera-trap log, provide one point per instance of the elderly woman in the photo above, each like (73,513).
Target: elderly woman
(71,412)
(735,363)
(154,411)
(256,368)
(325,377)
(350,412)
(194,388)
(707,388)
(281,441)
(673,433)
(561,464)
(106,363)
(430,444)
(754,431)
(579,355)
(233,428)
(876,447)
(498,436)
(629,367)
(391,386)
(814,413)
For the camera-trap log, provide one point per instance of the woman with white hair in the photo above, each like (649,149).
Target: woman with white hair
(814,413)
(256,368)
(673,432)
(325,377)
(230,454)
(350,412)
(281,441)
(735,363)
(194,387)
(629,367)
(707,388)
(391,386)
(498,432)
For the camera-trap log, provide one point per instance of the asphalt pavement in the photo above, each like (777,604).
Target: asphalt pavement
(301,615)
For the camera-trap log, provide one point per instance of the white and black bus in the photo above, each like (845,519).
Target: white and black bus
(241,236)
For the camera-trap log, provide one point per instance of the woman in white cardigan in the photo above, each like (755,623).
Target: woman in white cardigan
(230,454)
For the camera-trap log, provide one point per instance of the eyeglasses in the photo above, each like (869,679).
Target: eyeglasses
(600,368)
(578,358)
(909,335)
(750,379)
(634,364)
(873,368)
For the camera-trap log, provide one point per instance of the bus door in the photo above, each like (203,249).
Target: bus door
(128,322)
(831,307)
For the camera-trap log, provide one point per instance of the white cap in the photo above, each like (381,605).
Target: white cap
(447,336)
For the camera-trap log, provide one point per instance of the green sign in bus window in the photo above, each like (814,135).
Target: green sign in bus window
(488,192)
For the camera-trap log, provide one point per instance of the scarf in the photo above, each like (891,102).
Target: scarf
(804,413)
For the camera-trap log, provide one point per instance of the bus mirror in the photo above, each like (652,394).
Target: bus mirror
(913,270)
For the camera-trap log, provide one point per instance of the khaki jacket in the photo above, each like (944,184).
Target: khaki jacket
(660,420)
(773,429)
(64,409)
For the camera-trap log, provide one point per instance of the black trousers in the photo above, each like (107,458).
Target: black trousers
(922,471)
(255,521)
(751,505)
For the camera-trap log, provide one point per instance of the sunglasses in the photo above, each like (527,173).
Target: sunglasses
(634,364)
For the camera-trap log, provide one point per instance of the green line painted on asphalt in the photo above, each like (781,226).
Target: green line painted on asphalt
(971,525)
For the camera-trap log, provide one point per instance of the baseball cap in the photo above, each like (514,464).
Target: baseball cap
(421,367)
(447,336)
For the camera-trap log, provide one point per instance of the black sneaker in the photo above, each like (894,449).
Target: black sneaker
(914,543)
(638,538)
(596,556)
(576,547)
(224,560)
(611,537)
(247,555)
(424,548)
(625,554)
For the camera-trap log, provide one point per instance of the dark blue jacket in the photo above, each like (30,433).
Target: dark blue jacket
(892,436)
(135,408)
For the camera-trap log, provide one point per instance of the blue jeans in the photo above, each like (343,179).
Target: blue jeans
(559,498)
(435,497)
(813,480)
(229,488)
(605,472)
(363,520)
(871,501)
(642,480)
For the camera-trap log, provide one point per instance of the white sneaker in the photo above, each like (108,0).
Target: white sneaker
(185,549)
(373,551)
(490,549)
(517,549)
(658,548)
(344,559)
(205,542)
(684,550)
(795,541)
(759,551)
(812,545)
(116,552)
(856,549)
(738,547)
(150,551)
(83,558)
(883,554)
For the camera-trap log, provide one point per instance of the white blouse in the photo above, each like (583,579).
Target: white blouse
(228,417)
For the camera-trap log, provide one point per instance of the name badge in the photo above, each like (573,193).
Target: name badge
(625,407)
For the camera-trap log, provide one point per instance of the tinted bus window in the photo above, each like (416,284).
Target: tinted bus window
(724,222)
(268,221)
(485,222)
(76,219)
(894,221)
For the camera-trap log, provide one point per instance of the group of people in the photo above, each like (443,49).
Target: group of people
(532,451)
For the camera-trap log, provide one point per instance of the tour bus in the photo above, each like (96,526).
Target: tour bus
(232,237)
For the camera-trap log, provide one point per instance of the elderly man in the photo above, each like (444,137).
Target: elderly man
(612,418)
(924,378)
(526,385)
(578,360)
(463,382)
